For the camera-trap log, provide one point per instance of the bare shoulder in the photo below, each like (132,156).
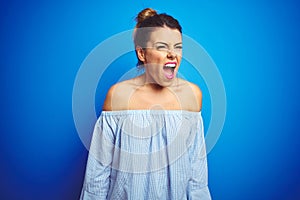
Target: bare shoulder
(107,105)
(118,95)
(196,90)
(191,94)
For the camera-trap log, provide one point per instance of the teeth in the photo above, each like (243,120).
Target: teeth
(170,65)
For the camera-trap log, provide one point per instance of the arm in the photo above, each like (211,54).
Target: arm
(198,183)
(97,175)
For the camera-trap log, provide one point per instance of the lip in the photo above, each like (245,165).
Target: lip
(171,63)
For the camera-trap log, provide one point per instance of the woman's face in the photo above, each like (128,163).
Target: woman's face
(162,56)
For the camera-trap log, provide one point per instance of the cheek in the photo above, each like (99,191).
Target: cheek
(179,58)
(179,55)
(155,57)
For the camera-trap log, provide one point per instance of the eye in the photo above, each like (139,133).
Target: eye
(162,47)
(178,47)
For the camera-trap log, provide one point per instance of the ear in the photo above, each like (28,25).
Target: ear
(140,53)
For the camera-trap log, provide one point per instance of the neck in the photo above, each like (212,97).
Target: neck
(154,86)
(151,84)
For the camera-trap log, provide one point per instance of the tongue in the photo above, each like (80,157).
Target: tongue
(168,72)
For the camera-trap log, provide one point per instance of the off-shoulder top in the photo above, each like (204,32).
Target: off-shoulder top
(147,154)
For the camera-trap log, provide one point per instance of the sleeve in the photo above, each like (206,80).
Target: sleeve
(97,176)
(198,183)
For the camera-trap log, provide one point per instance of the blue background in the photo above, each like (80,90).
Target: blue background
(255,45)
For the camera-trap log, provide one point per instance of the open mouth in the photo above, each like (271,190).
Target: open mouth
(169,69)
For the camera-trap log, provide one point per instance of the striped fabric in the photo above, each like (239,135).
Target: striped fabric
(147,154)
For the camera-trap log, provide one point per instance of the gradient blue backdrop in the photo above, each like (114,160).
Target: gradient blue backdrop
(255,45)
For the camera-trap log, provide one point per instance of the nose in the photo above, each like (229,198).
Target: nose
(171,54)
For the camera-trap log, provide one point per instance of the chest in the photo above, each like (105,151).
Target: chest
(167,100)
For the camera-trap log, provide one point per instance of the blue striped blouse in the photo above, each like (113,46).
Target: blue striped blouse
(147,154)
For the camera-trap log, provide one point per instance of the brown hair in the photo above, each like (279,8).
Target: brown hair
(144,14)
(148,19)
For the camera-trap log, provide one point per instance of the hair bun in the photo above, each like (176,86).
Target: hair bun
(144,14)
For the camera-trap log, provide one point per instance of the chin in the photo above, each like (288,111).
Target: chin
(166,83)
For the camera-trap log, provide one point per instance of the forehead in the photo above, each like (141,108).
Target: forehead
(165,34)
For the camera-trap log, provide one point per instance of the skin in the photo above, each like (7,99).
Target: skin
(153,90)
(164,45)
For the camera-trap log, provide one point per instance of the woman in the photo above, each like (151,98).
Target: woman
(148,142)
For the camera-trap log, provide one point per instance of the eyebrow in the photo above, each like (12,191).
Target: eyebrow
(167,43)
